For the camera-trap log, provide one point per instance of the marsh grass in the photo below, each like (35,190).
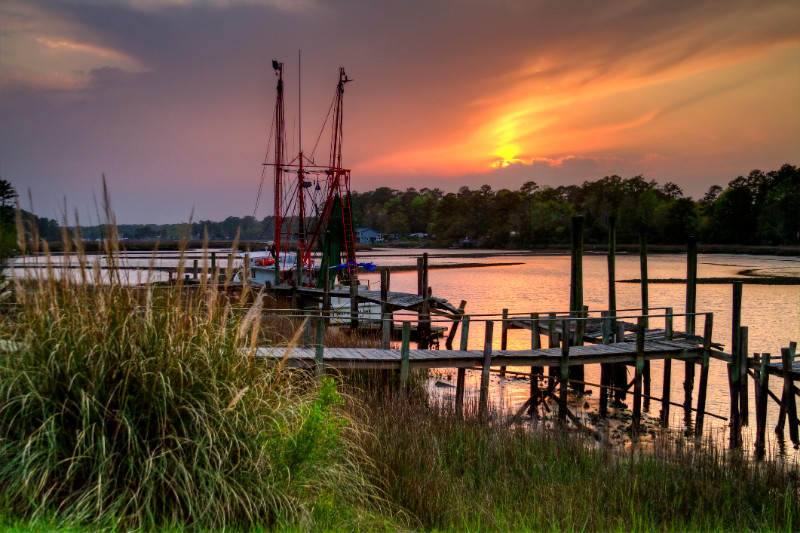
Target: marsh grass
(143,407)
(455,475)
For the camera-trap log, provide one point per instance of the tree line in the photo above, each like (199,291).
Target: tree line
(762,208)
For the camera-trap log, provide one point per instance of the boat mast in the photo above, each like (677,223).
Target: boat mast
(301,230)
(280,134)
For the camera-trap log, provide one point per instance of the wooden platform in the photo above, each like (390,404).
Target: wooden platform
(396,300)
(376,358)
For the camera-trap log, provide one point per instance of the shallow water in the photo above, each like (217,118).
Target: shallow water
(541,284)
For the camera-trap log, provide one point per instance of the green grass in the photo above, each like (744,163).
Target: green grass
(457,475)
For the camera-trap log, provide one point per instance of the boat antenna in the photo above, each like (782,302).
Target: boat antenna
(299,108)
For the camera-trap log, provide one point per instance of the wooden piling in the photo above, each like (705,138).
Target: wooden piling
(405,349)
(637,380)
(552,342)
(761,405)
(424,326)
(483,405)
(195,269)
(576,294)
(701,394)
(619,374)
(213,262)
(425,283)
(536,343)
(645,306)
(789,400)
(461,374)
(564,371)
(605,368)
(734,368)
(666,390)
(454,328)
(504,339)
(419,277)
(612,274)
(744,389)
(386,320)
(691,306)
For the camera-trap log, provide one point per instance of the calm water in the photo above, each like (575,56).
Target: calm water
(541,284)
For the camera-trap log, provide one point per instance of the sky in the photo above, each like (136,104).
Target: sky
(172,100)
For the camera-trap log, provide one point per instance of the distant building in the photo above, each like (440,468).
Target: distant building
(368,236)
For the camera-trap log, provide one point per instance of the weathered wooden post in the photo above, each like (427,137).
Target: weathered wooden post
(666,390)
(405,350)
(320,346)
(461,379)
(552,342)
(195,269)
(734,368)
(761,405)
(483,405)
(701,395)
(425,283)
(612,274)
(536,343)
(744,396)
(576,296)
(783,403)
(424,326)
(691,307)
(605,368)
(564,371)
(637,380)
(789,401)
(213,262)
(620,372)
(419,277)
(386,321)
(454,328)
(504,339)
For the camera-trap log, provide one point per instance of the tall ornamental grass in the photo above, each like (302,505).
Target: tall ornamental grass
(131,408)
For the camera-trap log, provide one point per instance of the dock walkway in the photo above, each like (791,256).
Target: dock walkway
(377,358)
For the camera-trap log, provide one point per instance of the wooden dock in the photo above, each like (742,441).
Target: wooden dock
(390,359)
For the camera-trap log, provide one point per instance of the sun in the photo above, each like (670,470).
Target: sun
(506,155)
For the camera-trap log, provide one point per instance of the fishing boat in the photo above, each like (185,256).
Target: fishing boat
(313,239)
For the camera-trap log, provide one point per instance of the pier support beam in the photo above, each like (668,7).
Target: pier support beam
(701,395)
(483,406)
(666,390)
(637,379)
(564,371)
(762,388)
(691,306)
(576,295)
(461,376)
(734,368)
